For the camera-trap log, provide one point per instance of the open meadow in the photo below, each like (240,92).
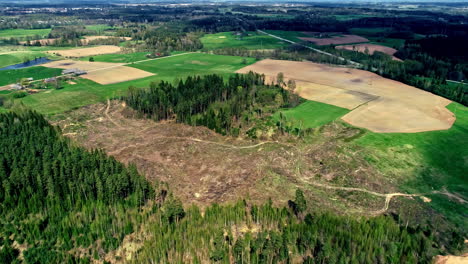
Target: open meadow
(86,92)
(252,40)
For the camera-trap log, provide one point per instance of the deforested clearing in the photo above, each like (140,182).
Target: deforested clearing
(378,104)
(371,48)
(335,40)
(91,51)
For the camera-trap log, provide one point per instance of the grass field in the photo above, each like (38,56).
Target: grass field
(376,36)
(20,57)
(438,158)
(311,114)
(119,58)
(229,40)
(86,92)
(37,72)
(22,33)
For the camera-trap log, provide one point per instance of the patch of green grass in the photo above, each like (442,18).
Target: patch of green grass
(119,58)
(311,114)
(193,64)
(86,92)
(22,33)
(352,17)
(99,27)
(37,72)
(254,40)
(388,42)
(19,57)
(427,162)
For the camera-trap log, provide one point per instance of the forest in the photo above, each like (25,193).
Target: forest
(63,204)
(226,106)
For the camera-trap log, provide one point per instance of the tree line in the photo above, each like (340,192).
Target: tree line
(226,106)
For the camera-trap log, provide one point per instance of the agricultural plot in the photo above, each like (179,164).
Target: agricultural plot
(83,52)
(311,114)
(253,40)
(119,58)
(370,48)
(12,76)
(18,57)
(86,92)
(23,33)
(335,40)
(378,104)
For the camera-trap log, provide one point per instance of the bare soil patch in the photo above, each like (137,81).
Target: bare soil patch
(379,104)
(102,72)
(371,48)
(336,40)
(82,65)
(116,75)
(83,52)
(202,167)
(451,259)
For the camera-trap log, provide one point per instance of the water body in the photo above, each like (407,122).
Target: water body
(30,63)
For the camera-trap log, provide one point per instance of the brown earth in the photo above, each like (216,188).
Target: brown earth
(101,72)
(371,49)
(336,40)
(203,167)
(116,75)
(378,104)
(451,259)
(84,52)
(87,39)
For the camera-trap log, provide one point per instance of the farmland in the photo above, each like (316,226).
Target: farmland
(311,114)
(86,92)
(38,72)
(23,33)
(18,57)
(252,40)
(323,151)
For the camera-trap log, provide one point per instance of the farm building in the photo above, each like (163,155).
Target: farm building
(16,86)
(74,71)
(50,80)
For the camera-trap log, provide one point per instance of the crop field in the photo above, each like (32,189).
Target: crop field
(230,40)
(119,58)
(86,92)
(22,33)
(335,40)
(378,104)
(371,48)
(18,57)
(311,114)
(37,72)
(83,52)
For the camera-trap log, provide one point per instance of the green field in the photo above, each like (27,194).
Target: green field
(311,114)
(18,57)
(119,58)
(86,92)
(37,72)
(99,27)
(22,33)
(437,158)
(229,40)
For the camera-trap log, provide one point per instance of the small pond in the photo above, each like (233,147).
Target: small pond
(30,63)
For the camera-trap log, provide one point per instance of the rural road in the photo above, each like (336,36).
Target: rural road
(316,50)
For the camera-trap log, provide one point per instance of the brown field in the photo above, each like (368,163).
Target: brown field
(451,259)
(378,104)
(83,65)
(336,40)
(203,167)
(371,48)
(116,75)
(101,72)
(87,39)
(83,52)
